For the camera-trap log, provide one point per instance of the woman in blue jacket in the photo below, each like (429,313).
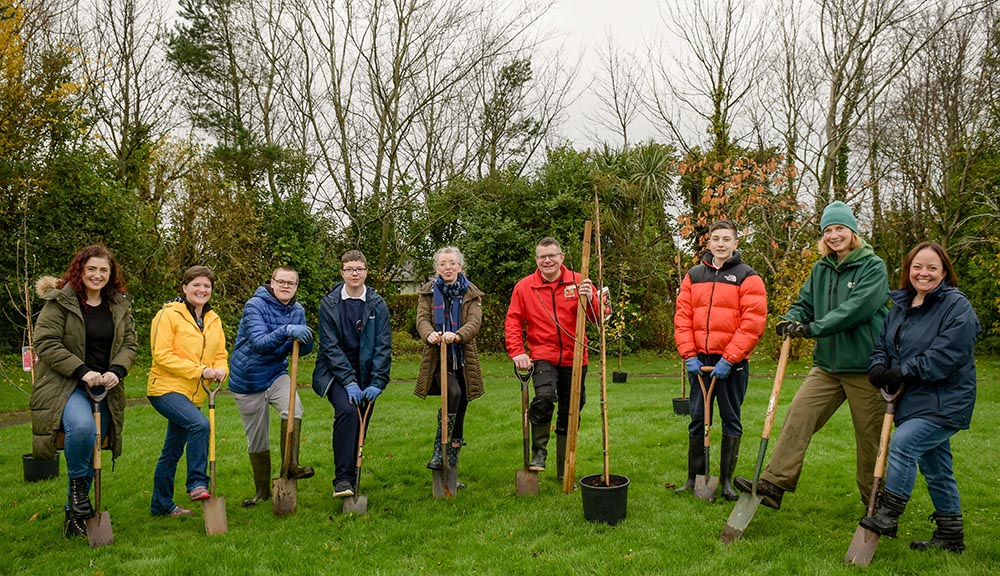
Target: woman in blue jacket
(926,346)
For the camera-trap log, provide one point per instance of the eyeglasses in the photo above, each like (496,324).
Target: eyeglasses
(350,271)
(543,257)
(285,283)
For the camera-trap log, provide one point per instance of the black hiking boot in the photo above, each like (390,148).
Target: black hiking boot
(949,534)
(885,522)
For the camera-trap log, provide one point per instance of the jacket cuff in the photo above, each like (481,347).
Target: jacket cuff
(118,371)
(80,371)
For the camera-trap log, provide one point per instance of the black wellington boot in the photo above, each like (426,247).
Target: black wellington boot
(435,463)
(696,462)
(949,534)
(560,456)
(453,449)
(885,522)
(539,441)
(730,453)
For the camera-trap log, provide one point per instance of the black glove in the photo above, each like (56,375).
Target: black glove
(876,376)
(782,328)
(892,380)
(799,330)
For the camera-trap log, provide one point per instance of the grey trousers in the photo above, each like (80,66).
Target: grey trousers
(253,411)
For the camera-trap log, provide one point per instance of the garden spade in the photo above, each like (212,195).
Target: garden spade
(358,504)
(445,480)
(526,480)
(747,505)
(705,485)
(284,488)
(99,531)
(863,545)
(214,508)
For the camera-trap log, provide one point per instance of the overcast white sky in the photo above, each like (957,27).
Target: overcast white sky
(583,27)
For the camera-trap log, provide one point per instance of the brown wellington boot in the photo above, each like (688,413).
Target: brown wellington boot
(260,463)
(295,471)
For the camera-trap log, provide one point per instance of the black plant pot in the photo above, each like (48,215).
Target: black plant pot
(619,377)
(682,406)
(607,504)
(36,469)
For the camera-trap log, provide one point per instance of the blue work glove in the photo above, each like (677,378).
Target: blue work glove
(371,393)
(693,365)
(721,369)
(300,332)
(354,393)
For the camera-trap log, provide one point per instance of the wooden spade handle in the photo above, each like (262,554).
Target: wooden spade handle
(779,378)
(293,374)
(445,436)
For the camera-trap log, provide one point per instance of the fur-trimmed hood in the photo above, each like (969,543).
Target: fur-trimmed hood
(45,284)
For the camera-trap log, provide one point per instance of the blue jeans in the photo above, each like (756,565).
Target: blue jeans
(78,427)
(185,425)
(919,442)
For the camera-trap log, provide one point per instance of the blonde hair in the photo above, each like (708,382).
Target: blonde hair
(824,250)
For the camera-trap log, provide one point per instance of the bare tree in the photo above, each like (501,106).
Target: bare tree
(725,42)
(619,86)
(390,90)
(133,88)
(940,129)
(863,46)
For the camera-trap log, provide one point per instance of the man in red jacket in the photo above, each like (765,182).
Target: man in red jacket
(721,314)
(543,311)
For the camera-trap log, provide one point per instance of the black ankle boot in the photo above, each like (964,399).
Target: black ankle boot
(79,498)
(949,534)
(74,527)
(885,522)
(696,462)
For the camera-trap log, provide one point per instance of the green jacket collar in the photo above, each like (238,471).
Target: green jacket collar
(855,255)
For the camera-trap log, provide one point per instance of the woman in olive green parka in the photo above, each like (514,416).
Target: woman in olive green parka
(85,340)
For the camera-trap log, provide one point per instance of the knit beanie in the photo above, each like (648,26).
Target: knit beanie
(838,213)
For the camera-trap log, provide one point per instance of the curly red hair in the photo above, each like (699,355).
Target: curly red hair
(74,274)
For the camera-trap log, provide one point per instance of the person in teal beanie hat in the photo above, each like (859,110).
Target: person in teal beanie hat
(838,213)
(842,307)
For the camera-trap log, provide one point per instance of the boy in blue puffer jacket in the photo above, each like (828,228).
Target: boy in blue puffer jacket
(259,373)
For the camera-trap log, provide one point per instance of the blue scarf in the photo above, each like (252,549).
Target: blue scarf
(447,317)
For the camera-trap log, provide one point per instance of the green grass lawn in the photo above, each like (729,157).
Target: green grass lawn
(487,529)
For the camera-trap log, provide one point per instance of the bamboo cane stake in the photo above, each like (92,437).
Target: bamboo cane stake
(604,342)
(577,378)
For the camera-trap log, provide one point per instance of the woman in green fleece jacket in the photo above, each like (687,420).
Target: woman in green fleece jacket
(842,305)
